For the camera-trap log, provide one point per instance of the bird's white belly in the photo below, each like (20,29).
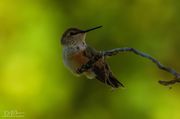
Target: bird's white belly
(68,62)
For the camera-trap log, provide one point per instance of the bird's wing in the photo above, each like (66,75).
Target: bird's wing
(102,70)
(90,52)
(104,74)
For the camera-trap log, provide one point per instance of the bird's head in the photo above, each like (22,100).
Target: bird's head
(73,36)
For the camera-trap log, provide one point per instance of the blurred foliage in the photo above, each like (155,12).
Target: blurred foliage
(34,80)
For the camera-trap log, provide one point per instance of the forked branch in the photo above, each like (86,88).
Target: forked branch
(116,51)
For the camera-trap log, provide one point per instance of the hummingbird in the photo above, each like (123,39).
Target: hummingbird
(77,53)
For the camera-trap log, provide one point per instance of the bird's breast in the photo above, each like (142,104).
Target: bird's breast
(78,58)
(74,60)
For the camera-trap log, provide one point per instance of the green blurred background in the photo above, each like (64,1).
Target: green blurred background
(34,80)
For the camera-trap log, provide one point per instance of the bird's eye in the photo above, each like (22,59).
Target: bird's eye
(71,33)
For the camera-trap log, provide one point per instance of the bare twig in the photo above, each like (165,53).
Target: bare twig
(116,51)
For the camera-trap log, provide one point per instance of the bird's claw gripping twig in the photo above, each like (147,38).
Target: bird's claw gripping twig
(89,64)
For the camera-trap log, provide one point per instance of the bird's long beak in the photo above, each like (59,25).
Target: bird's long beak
(85,31)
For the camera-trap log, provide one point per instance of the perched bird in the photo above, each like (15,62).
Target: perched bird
(77,53)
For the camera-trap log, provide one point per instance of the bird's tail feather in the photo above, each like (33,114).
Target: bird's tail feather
(104,74)
(112,81)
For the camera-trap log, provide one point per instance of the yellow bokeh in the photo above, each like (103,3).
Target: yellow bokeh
(34,81)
